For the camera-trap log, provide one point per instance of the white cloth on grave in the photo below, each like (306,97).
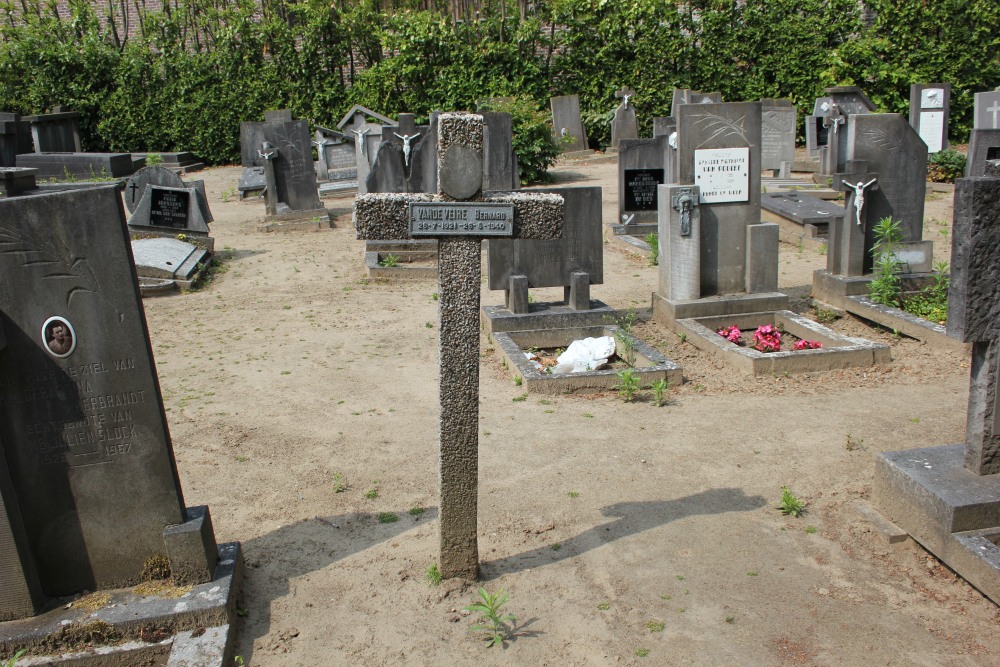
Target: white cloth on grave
(588,354)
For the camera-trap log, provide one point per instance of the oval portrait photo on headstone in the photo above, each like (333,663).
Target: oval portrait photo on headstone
(59,337)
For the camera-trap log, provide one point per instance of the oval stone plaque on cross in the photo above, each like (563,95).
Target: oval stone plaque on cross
(461,172)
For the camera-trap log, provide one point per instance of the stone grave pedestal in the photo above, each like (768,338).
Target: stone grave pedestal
(948,498)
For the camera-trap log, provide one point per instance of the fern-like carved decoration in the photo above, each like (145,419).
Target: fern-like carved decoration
(45,253)
(720,127)
(883,141)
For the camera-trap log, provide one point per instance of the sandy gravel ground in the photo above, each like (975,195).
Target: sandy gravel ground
(302,400)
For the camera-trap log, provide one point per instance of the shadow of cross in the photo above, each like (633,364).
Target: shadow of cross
(460,216)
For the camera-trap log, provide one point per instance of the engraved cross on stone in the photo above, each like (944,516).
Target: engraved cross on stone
(459,216)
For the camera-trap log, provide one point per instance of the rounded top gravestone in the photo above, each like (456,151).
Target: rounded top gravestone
(460,174)
(155,175)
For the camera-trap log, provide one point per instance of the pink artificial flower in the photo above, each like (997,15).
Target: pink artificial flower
(767,339)
(808,345)
(732,334)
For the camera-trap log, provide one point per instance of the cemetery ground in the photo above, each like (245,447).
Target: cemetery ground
(302,400)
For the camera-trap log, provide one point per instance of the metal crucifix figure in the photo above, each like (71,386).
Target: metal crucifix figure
(859,197)
(407,149)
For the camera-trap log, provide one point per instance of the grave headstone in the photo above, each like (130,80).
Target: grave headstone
(777,135)
(295,190)
(624,124)
(405,159)
(82,425)
(893,150)
(500,171)
(15,138)
(930,107)
(841,101)
(667,127)
(987,110)
(337,155)
(81,166)
(574,261)
(984,145)
(567,125)
(155,175)
(679,242)
(641,168)
(57,132)
(719,151)
(168,259)
(357,117)
(685,96)
(459,218)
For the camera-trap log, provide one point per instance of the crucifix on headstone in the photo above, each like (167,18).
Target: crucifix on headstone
(625,94)
(973,305)
(833,121)
(624,125)
(849,252)
(267,152)
(460,216)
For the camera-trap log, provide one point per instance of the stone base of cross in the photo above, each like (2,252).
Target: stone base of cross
(460,216)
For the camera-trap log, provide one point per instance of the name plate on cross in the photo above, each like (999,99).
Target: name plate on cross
(461,219)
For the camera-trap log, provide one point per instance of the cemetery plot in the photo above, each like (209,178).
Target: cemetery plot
(834,350)
(548,344)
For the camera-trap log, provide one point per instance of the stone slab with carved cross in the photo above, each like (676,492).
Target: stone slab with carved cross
(460,216)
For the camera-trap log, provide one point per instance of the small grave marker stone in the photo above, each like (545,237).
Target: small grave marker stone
(984,146)
(15,138)
(155,175)
(930,107)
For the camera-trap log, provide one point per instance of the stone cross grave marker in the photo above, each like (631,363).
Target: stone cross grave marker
(460,216)
(974,311)
(987,110)
(848,253)
(624,125)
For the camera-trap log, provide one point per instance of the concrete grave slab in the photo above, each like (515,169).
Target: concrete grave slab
(169,259)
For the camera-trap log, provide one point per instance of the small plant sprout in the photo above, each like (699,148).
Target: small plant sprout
(416,511)
(518,380)
(790,505)
(372,494)
(641,652)
(811,530)
(628,384)
(573,494)
(653,241)
(389,261)
(339,485)
(655,626)
(387,517)
(433,575)
(491,620)
(13,661)
(603,606)
(659,389)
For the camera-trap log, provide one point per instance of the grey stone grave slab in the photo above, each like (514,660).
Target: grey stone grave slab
(135,188)
(777,135)
(252,179)
(168,259)
(930,108)
(574,261)
(179,162)
(83,426)
(386,217)
(983,145)
(15,138)
(893,150)
(987,110)
(802,208)
(57,132)
(17,180)
(686,96)
(734,129)
(567,125)
(624,124)
(641,168)
(79,165)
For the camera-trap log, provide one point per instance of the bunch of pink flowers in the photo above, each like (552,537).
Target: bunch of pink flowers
(732,334)
(767,339)
(807,345)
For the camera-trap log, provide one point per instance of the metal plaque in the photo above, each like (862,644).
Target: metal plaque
(461,219)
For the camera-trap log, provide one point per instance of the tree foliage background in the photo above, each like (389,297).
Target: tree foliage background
(186,76)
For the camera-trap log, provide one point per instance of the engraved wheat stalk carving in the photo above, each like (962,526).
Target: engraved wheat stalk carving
(50,256)
(719,126)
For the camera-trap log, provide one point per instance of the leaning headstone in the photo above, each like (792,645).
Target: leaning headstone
(984,146)
(460,218)
(624,124)
(987,110)
(930,106)
(57,132)
(777,135)
(567,125)
(15,138)
(641,168)
(83,428)
(948,498)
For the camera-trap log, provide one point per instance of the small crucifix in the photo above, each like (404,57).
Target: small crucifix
(460,216)
(851,242)
(268,153)
(831,156)
(625,94)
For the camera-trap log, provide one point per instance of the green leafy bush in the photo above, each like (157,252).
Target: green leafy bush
(945,166)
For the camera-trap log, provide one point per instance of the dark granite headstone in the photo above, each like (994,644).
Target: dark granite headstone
(930,108)
(893,150)
(395,171)
(732,127)
(500,164)
(987,110)
(17,180)
(983,145)
(81,166)
(295,177)
(172,210)
(155,175)
(567,126)
(802,208)
(81,418)
(552,263)
(57,132)
(15,138)
(168,207)
(641,167)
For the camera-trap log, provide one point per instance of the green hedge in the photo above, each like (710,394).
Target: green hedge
(201,66)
